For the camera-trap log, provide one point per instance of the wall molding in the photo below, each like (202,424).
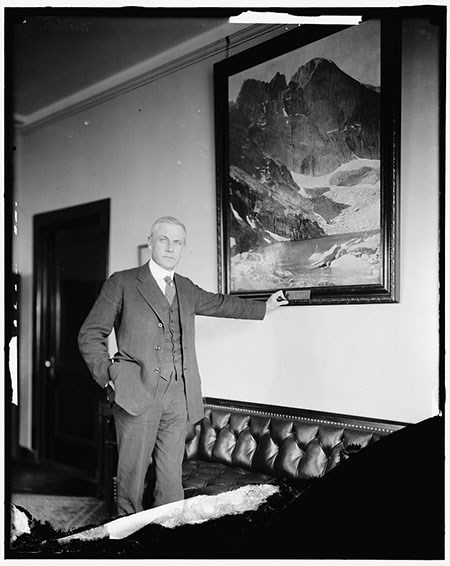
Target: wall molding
(113,87)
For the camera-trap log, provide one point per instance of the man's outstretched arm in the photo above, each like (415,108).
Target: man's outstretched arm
(228,306)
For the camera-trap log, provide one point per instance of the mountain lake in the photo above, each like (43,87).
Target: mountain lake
(290,265)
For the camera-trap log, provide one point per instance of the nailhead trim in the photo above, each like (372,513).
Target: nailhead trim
(308,419)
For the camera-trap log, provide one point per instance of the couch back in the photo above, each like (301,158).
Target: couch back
(283,442)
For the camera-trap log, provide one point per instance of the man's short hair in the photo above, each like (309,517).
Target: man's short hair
(167,220)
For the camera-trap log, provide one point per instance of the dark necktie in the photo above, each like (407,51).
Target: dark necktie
(170,289)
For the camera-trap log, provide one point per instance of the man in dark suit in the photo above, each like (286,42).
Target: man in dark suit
(153,379)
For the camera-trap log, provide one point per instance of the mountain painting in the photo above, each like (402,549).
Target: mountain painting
(304,199)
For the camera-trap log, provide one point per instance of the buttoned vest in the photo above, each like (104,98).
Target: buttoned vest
(172,355)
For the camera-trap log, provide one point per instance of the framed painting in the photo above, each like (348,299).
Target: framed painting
(143,254)
(307,165)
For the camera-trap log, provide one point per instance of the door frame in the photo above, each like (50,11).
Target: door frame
(41,224)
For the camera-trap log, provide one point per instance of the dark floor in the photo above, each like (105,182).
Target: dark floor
(49,479)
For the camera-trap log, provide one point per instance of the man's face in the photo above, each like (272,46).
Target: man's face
(166,245)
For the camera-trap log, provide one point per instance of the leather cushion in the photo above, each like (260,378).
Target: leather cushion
(212,478)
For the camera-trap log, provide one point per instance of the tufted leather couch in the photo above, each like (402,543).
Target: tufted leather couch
(244,443)
(386,502)
(239,443)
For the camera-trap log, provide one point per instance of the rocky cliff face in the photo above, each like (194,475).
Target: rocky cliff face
(320,120)
(312,125)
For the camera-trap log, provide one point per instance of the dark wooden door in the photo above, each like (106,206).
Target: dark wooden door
(71,252)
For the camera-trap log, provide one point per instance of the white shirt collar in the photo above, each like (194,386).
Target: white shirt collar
(159,272)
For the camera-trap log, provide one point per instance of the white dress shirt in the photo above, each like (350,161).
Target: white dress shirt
(159,273)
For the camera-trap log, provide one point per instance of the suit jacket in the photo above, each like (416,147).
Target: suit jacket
(131,302)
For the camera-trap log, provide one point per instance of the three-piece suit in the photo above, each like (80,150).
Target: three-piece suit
(155,374)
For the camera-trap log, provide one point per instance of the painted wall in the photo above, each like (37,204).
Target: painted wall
(152,152)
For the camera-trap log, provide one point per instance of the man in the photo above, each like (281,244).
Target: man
(153,378)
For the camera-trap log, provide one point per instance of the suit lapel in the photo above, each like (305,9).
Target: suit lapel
(149,289)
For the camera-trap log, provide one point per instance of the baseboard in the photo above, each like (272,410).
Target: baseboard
(27,456)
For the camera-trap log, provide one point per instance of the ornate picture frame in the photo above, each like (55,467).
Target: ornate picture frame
(307,145)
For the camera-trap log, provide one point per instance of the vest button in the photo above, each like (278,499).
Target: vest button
(157,347)
(157,370)
(159,324)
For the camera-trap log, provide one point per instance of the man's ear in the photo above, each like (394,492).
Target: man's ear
(149,243)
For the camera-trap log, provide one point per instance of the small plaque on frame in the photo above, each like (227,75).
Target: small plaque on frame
(298,295)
